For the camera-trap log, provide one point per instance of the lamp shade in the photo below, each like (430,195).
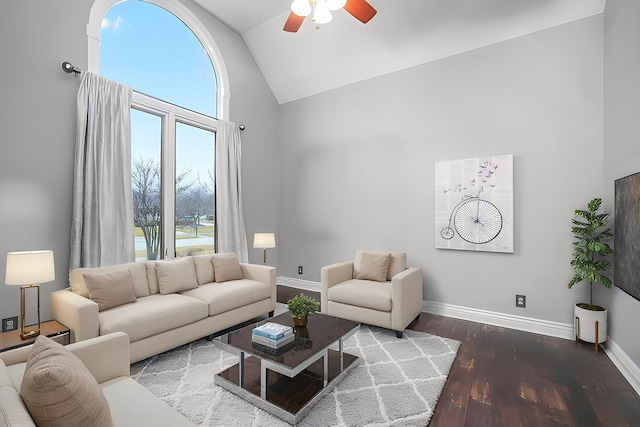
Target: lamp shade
(29,268)
(264,240)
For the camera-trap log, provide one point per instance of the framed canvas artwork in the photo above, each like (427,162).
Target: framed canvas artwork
(474,204)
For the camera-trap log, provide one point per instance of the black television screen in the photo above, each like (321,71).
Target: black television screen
(626,239)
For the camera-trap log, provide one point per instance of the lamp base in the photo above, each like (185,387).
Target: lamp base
(26,335)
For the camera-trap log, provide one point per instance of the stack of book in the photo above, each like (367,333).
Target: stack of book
(272,335)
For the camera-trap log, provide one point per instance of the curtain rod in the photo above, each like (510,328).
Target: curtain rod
(69,68)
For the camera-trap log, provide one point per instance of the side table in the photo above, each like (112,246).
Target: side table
(52,329)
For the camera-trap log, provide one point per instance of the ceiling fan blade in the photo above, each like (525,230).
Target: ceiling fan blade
(361,10)
(293,23)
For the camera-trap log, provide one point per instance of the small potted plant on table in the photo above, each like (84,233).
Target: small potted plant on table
(589,253)
(300,307)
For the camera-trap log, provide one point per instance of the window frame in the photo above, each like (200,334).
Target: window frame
(99,10)
(169,113)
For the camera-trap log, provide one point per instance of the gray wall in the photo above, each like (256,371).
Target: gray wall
(358,166)
(621,146)
(38,125)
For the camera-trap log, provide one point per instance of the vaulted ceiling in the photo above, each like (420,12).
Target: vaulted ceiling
(403,34)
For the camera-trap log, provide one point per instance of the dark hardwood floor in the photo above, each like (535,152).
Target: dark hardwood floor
(504,377)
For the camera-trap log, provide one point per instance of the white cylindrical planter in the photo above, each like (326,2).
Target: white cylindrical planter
(585,324)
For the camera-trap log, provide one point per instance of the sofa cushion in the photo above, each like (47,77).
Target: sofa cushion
(204,269)
(134,405)
(176,275)
(137,270)
(59,390)
(110,289)
(152,315)
(362,293)
(152,277)
(226,267)
(398,263)
(374,266)
(222,297)
(13,412)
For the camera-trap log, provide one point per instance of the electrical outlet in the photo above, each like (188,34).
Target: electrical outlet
(10,324)
(299,269)
(521,301)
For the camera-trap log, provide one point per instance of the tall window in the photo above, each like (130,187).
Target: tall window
(173,126)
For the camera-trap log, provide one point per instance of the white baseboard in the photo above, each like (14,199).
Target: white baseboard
(521,323)
(306,285)
(620,359)
(625,365)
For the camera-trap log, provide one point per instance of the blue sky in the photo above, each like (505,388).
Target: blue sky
(153,52)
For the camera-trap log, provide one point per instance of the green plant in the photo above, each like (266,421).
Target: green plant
(589,250)
(302,305)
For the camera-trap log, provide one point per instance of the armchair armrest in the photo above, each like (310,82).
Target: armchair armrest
(77,313)
(262,273)
(331,275)
(107,357)
(406,297)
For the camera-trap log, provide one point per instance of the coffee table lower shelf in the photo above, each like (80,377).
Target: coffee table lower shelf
(289,399)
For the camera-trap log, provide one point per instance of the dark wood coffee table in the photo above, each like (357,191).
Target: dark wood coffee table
(289,383)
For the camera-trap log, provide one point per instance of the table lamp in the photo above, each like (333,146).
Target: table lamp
(264,241)
(29,270)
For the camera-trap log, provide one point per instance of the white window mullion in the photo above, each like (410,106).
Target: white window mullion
(169,185)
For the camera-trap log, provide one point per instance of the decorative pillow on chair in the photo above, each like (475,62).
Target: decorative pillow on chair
(226,267)
(59,390)
(176,275)
(110,289)
(374,266)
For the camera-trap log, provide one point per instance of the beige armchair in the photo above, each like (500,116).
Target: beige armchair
(365,291)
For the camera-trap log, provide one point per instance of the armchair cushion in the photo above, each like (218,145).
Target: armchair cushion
(59,390)
(362,293)
(374,266)
(397,265)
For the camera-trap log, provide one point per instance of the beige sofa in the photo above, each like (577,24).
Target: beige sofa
(172,302)
(107,359)
(376,288)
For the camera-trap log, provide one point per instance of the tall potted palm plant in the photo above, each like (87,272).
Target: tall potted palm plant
(589,262)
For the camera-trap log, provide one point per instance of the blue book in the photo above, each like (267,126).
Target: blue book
(272,330)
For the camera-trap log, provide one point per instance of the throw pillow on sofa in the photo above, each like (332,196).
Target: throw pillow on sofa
(110,289)
(176,275)
(374,266)
(59,390)
(226,267)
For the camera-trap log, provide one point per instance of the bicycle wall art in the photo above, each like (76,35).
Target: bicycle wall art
(474,204)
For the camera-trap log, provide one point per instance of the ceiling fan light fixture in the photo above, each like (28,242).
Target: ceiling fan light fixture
(321,13)
(336,4)
(301,7)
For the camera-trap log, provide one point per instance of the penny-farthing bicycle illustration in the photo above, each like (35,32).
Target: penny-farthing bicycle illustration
(475,220)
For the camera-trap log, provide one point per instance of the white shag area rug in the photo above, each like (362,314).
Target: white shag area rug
(397,383)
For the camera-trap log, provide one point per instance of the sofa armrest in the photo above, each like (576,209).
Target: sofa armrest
(331,275)
(77,313)
(262,273)
(406,297)
(107,357)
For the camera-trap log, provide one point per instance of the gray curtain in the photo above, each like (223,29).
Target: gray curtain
(231,233)
(102,223)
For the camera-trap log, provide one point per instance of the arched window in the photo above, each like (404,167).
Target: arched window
(160,49)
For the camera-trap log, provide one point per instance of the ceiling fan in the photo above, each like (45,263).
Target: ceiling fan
(320,11)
